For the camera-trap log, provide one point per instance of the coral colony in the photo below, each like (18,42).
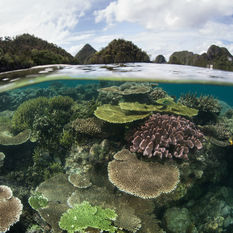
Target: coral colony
(166,136)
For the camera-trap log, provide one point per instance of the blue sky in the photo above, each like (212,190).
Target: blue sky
(156,26)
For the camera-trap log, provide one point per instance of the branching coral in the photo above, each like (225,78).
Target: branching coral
(204,103)
(90,126)
(166,136)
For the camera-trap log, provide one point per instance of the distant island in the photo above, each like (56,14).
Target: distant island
(26,50)
(216,57)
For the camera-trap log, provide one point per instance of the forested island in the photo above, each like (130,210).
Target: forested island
(216,57)
(25,51)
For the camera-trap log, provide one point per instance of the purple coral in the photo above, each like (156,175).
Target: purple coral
(168,136)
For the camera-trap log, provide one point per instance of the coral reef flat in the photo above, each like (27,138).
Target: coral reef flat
(82,155)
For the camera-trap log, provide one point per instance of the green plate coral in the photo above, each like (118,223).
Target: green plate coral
(84,215)
(167,105)
(114,114)
(135,106)
(170,106)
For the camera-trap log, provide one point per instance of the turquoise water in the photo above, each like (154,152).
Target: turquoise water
(95,150)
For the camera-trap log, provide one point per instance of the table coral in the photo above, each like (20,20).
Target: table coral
(139,178)
(10,208)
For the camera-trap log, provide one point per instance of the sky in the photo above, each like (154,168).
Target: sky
(155,26)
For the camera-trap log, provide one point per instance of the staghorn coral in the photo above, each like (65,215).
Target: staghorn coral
(25,114)
(139,178)
(166,136)
(157,93)
(10,208)
(209,107)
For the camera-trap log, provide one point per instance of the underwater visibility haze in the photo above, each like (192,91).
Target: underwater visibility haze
(135,147)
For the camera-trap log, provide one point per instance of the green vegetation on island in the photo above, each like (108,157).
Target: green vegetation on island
(215,57)
(26,50)
(119,51)
(85,53)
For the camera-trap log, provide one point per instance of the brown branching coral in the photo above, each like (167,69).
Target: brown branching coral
(10,208)
(89,126)
(204,103)
(157,93)
(139,178)
(166,136)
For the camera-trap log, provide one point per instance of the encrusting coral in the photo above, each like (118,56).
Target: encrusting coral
(56,190)
(10,208)
(80,180)
(166,136)
(139,178)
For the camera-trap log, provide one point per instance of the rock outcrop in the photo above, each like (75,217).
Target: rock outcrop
(216,57)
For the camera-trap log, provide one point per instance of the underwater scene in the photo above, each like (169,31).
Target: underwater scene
(144,148)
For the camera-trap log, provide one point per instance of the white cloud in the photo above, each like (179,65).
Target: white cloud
(173,25)
(166,14)
(75,48)
(51,20)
